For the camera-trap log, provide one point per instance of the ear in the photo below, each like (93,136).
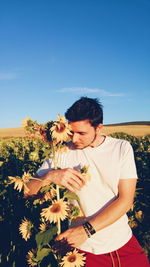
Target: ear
(99,128)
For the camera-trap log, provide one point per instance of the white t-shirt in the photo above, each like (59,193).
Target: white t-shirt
(108,163)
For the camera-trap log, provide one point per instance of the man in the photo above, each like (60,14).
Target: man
(105,235)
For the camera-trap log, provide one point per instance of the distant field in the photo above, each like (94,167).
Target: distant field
(136,130)
(12,132)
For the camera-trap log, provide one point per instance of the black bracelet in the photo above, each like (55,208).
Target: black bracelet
(86,230)
(89,228)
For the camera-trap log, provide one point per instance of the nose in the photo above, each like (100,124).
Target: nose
(74,138)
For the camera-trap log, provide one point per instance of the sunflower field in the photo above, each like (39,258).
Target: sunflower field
(25,155)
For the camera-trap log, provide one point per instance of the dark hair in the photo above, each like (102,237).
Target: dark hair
(86,109)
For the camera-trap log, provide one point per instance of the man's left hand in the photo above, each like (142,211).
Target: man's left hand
(75,236)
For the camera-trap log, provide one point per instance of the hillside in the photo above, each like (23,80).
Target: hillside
(133,128)
(136,130)
(130,123)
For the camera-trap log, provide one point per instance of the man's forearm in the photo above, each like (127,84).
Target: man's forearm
(77,235)
(69,178)
(35,185)
(126,191)
(111,214)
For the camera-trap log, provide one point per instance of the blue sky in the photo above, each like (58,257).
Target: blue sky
(52,52)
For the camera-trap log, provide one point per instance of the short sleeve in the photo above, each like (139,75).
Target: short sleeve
(46,166)
(128,167)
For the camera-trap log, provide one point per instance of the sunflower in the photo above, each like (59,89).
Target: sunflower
(73,259)
(58,210)
(47,196)
(24,123)
(139,215)
(20,183)
(60,130)
(61,118)
(61,247)
(25,229)
(30,258)
(50,194)
(40,132)
(133,224)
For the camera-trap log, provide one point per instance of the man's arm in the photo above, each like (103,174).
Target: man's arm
(69,178)
(108,216)
(118,207)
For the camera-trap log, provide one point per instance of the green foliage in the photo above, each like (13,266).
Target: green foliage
(21,155)
(41,254)
(43,238)
(15,159)
(139,217)
(71,195)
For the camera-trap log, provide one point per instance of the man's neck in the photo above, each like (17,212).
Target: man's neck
(98,140)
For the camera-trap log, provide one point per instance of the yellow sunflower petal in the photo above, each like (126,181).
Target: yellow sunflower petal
(61,118)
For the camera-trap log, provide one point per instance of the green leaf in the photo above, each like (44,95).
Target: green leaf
(43,238)
(33,156)
(71,195)
(75,211)
(46,188)
(41,254)
(62,187)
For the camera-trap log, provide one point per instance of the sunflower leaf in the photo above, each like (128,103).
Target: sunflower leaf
(46,189)
(42,254)
(71,195)
(43,238)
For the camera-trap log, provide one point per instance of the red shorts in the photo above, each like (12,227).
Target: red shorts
(130,255)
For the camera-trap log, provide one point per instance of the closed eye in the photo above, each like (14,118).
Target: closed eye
(80,133)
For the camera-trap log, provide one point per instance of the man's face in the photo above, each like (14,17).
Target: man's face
(83,133)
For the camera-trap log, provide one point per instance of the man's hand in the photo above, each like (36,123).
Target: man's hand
(69,178)
(75,236)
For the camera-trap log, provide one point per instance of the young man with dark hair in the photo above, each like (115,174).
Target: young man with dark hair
(86,109)
(104,235)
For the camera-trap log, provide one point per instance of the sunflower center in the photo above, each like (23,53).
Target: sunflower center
(72,258)
(55,208)
(60,128)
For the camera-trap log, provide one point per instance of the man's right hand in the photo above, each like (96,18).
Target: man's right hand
(69,178)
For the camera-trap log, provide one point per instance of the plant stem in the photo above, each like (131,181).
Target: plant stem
(57,188)
(58,198)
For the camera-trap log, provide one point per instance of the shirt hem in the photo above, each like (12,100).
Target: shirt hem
(94,251)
